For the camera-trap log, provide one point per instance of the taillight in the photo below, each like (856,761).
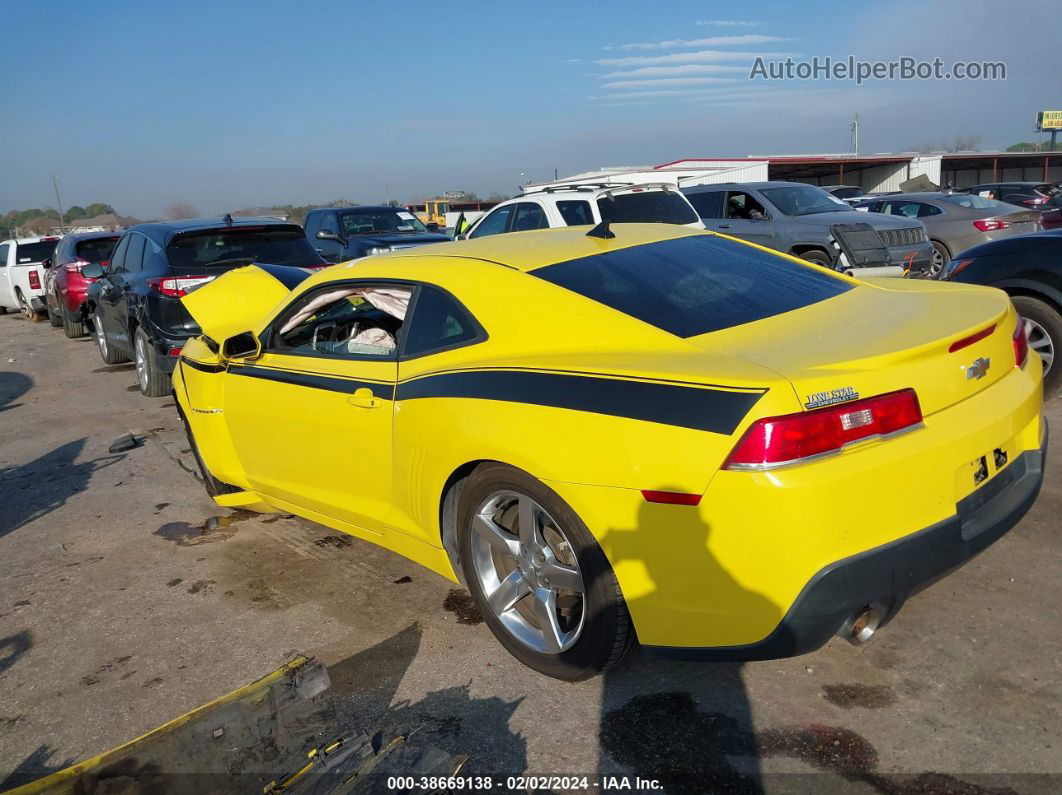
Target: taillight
(781,441)
(1021,344)
(34,280)
(991,225)
(75,266)
(179,286)
(1032,202)
(671,497)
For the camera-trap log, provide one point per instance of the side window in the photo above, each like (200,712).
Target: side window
(348,321)
(3,255)
(153,261)
(134,255)
(313,223)
(495,223)
(118,258)
(529,215)
(708,204)
(576,213)
(926,210)
(438,321)
(328,223)
(744,207)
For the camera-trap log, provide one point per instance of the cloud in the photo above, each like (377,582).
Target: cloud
(711,41)
(678,71)
(701,56)
(728,23)
(669,82)
(666,92)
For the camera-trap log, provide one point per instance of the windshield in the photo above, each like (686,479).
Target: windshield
(368,222)
(275,245)
(656,207)
(804,200)
(32,253)
(976,202)
(847,193)
(695,284)
(96,249)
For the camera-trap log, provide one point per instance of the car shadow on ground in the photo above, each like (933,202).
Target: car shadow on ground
(13,386)
(689,725)
(34,489)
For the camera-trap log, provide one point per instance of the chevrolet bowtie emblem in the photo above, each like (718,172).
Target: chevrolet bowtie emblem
(979,368)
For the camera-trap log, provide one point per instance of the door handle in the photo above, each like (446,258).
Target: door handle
(362,398)
(724,226)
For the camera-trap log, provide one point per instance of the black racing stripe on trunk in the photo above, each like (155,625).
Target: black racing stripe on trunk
(699,408)
(203,368)
(346,386)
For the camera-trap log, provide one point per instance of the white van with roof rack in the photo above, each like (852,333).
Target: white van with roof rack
(588,205)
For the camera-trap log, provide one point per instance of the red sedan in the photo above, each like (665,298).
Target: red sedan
(65,286)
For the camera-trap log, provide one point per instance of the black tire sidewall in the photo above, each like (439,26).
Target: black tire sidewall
(606,618)
(1047,317)
(816,257)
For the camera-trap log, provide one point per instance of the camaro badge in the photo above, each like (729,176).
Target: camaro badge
(842,395)
(979,368)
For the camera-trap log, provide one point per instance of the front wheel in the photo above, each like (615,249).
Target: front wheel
(941,255)
(153,381)
(818,257)
(109,354)
(538,576)
(1043,324)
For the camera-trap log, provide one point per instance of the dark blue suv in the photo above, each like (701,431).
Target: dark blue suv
(344,233)
(135,304)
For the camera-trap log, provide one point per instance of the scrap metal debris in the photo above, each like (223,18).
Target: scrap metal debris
(123,443)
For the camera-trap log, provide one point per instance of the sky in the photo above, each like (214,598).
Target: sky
(226,105)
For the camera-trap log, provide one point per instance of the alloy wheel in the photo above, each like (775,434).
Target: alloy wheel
(141,363)
(101,337)
(936,265)
(1041,342)
(24,307)
(528,572)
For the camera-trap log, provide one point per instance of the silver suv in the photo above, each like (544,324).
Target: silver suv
(587,205)
(796,218)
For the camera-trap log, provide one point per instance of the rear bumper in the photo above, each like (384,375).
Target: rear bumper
(884,577)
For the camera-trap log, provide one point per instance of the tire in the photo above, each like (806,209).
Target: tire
(152,381)
(818,257)
(72,328)
(1043,324)
(27,309)
(593,630)
(55,320)
(107,351)
(941,257)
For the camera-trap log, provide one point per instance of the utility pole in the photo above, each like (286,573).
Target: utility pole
(62,223)
(855,136)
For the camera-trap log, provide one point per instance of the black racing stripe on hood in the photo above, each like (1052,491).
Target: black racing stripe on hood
(288,275)
(698,408)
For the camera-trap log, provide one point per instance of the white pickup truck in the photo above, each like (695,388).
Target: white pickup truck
(22,274)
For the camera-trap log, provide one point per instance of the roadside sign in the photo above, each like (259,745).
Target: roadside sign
(1049,120)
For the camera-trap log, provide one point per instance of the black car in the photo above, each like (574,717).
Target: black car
(1029,269)
(345,233)
(135,306)
(1031,195)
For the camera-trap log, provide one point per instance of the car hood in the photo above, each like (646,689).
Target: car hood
(876,220)
(399,239)
(234,302)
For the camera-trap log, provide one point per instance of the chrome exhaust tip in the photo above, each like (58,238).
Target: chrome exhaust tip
(860,628)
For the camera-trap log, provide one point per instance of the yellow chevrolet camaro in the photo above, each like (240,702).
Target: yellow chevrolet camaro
(639,435)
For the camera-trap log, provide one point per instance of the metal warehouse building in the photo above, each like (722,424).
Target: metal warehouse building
(873,173)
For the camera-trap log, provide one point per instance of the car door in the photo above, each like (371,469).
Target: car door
(7,296)
(124,298)
(745,216)
(109,291)
(310,418)
(331,250)
(709,206)
(528,216)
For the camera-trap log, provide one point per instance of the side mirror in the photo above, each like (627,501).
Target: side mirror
(327,234)
(92,271)
(242,346)
(432,227)
(462,236)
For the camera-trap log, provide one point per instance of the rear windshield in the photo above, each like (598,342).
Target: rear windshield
(657,207)
(229,247)
(30,253)
(975,202)
(97,249)
(695,285)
